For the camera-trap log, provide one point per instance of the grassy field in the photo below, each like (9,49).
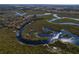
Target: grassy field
(66,48)
(9,43)
(37,26)
(71,28)
(67,20)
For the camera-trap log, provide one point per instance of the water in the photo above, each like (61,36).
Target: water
(20,14)
(74,39)
(69,24)
(28,41)
(56,18)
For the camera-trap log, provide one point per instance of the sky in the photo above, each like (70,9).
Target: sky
(39,1)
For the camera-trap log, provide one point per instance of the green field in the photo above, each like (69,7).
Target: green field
(10,22)
(9,43)
(37,26)
(66,20)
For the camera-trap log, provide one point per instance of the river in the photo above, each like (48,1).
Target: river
(74,39)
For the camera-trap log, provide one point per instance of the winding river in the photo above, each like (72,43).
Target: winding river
(28,41)
(74,39)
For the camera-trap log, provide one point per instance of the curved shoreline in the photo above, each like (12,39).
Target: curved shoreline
(52,37)
(28,41)
(68,24)
(58,18)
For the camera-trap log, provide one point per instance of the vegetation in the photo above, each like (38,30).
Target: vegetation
(9,23)
(67,20)
(9,44)
(65,48)
(37,26)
